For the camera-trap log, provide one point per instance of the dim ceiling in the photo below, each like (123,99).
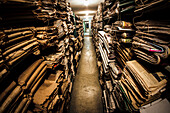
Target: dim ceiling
(80,9)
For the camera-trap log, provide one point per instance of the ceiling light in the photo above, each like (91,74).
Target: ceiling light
(87,13)
(86,2)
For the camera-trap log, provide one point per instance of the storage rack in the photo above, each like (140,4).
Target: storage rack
(132,51)
(38,50)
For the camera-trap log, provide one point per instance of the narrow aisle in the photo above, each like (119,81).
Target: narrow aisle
(87,93)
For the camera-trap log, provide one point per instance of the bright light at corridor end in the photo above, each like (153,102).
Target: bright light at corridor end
(86,2)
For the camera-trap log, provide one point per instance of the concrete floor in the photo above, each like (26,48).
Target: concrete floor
(87,93)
